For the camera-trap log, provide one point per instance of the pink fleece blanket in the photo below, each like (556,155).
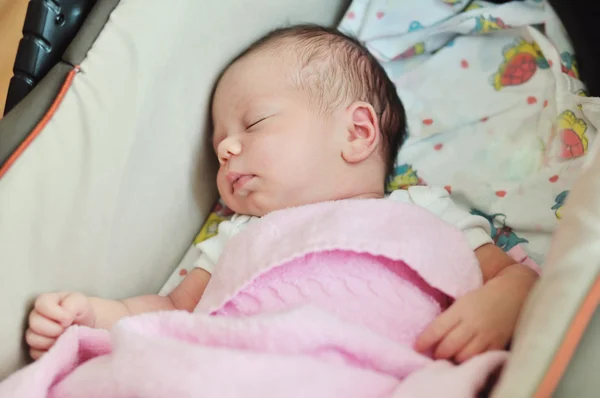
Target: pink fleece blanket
(323,300)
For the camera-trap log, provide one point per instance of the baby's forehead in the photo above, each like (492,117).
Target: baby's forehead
(253,80)
(255,74)
(317,67)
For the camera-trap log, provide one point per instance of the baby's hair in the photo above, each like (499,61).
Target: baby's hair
(336,68)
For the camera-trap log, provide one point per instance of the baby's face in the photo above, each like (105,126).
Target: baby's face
(274,151)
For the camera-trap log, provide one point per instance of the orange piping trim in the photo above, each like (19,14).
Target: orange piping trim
(569,345)
(40,126)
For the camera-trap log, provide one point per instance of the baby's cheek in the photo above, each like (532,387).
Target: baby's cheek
(264,161)
(226,194)
(222,183)
(264,153)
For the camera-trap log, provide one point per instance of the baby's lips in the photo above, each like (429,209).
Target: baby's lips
(233,176)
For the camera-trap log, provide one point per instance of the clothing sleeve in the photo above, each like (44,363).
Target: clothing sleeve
(213,247)
(437,200)
(210,252)
(205,263)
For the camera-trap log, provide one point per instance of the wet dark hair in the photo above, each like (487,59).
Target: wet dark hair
(336,68)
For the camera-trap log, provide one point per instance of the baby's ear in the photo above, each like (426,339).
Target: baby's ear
(362,134)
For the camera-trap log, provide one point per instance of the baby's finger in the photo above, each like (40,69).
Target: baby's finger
(77,305)
(454,342)
(436,330)
(476,346)
(38,342)
(49,306)
(36,354)
(44,326)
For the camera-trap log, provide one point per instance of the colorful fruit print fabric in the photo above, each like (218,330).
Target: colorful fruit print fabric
(496,112)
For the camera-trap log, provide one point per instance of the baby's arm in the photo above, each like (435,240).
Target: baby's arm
(484,319)
(54,312)
(184,297)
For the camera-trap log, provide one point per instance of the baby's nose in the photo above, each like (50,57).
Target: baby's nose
(227,148)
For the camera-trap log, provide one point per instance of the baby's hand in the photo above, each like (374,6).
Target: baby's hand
(480,321)
(52,314)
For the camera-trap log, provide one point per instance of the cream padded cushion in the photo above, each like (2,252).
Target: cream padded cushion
(109,197)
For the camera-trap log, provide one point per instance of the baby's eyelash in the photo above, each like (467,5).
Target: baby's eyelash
(255,123)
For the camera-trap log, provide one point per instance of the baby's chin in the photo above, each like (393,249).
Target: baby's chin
(254,204)
(245,205)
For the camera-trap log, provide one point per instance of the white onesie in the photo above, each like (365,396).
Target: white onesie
(436,200)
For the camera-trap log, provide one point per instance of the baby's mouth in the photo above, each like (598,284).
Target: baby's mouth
(238,181)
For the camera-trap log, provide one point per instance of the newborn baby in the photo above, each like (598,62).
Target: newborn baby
(306,115)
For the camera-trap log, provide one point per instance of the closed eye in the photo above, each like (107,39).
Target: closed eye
(255,123)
